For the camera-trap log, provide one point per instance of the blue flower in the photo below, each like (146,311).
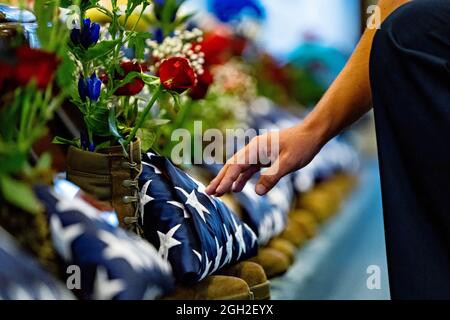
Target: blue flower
(229,10)
(89,88)
(87,36)
(85,143)
(158,35)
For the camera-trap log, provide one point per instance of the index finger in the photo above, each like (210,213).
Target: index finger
(230,176)
(212,187)
(238,163)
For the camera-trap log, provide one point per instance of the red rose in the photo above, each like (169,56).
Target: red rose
(201,89)
(136,85)
(217,48)
(34,64)
(6,74)
(177,75)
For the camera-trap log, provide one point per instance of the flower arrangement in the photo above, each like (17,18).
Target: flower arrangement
(108,82)
(128,82)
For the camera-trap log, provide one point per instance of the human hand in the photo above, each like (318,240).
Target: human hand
(282,152)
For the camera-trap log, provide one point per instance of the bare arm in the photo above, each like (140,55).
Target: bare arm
(347,99)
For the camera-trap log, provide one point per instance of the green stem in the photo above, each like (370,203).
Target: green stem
(136,23)
(24,114)
(181,117)
(34,105)
(143,115)
(105,11)
(52,45)
(90,137)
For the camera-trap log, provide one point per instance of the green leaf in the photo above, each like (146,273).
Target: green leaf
(100,49)
(19,194)
(182,20)
(103,145)
(148,139)
(44,162)
(13,162)
(137,42)
(176,101)
(113,123)
(153,123)
(84,4)
(60,140)
(97,121)
(131,112)
(64,75)
(128,78)
(66,3)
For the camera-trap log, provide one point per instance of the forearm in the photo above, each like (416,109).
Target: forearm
(349,97)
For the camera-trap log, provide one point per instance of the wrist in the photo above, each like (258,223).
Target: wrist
(317,130)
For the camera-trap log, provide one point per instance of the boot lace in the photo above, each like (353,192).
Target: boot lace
(132,223)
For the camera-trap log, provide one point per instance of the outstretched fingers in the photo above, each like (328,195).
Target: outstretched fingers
(212,187)
(240,183)
(231,175)
(223,182)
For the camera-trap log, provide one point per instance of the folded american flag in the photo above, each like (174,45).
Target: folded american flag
(197,233)
(267,214)
(114,263)
(22,278)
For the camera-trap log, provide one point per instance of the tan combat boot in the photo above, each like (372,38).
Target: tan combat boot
(294,233)
(213,288)
(273,261)
(319,202)
(284,246)
(306,220)
(110,175)
(253,274)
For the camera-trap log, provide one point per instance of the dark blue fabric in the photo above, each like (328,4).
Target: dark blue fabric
(22,278)
(410,77)
(114,263)
(201,235)
(266,215)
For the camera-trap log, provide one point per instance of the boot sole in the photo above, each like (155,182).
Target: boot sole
(237,297)
(261,291)
(242,296)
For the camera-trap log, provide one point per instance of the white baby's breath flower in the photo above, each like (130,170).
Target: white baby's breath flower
(180,44)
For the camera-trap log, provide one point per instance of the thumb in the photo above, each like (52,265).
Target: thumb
(269,178)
